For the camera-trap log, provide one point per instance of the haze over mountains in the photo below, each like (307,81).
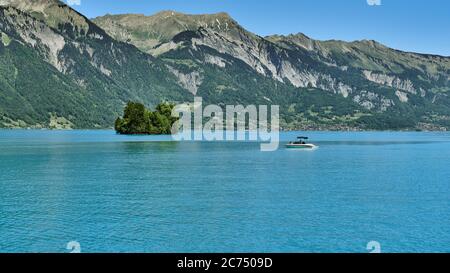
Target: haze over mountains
(60,69)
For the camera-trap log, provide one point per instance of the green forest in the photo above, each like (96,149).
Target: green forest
(137,119)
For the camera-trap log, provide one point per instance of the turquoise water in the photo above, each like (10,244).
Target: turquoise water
(146,194)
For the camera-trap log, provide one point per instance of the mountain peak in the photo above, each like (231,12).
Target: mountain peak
(324,83)
(169,13)
(298,39)
(299,35)
(369,43)
(30,5)
(290,37)
(166,14)
(146,32)
(53,12)
(223,15)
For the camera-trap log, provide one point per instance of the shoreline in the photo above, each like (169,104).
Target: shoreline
(281,131)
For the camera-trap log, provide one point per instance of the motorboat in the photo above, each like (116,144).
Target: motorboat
(301,144)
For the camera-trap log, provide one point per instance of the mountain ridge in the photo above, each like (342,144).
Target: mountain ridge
(87,74)
(229,17)
(368,58)
(103,63)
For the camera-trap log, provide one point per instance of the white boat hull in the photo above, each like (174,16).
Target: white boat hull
(301,146)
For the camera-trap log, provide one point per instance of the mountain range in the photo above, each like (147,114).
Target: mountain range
(59,69)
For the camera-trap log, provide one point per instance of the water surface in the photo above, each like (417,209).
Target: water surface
(148,194)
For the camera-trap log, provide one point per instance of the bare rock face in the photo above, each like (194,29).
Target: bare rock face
(295,59)
(391,81)
(98,65)
(215,60)
(372,101)
(54,60)
(402,96)
(53,12)
(38,35)
(189,81)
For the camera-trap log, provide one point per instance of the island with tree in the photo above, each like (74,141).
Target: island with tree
(138,120)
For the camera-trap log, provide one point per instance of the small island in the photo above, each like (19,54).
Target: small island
(138,120)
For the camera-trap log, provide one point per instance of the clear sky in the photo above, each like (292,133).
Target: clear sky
(411,25)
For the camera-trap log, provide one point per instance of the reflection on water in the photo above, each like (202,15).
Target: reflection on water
(145,147)
(376,143)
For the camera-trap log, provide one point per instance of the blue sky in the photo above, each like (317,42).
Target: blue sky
(411,25)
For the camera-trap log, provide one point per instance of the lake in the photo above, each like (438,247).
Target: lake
(115,193)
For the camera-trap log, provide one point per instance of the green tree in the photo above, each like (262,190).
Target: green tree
(138,120)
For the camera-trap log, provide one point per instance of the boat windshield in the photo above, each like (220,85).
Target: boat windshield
(301,140)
